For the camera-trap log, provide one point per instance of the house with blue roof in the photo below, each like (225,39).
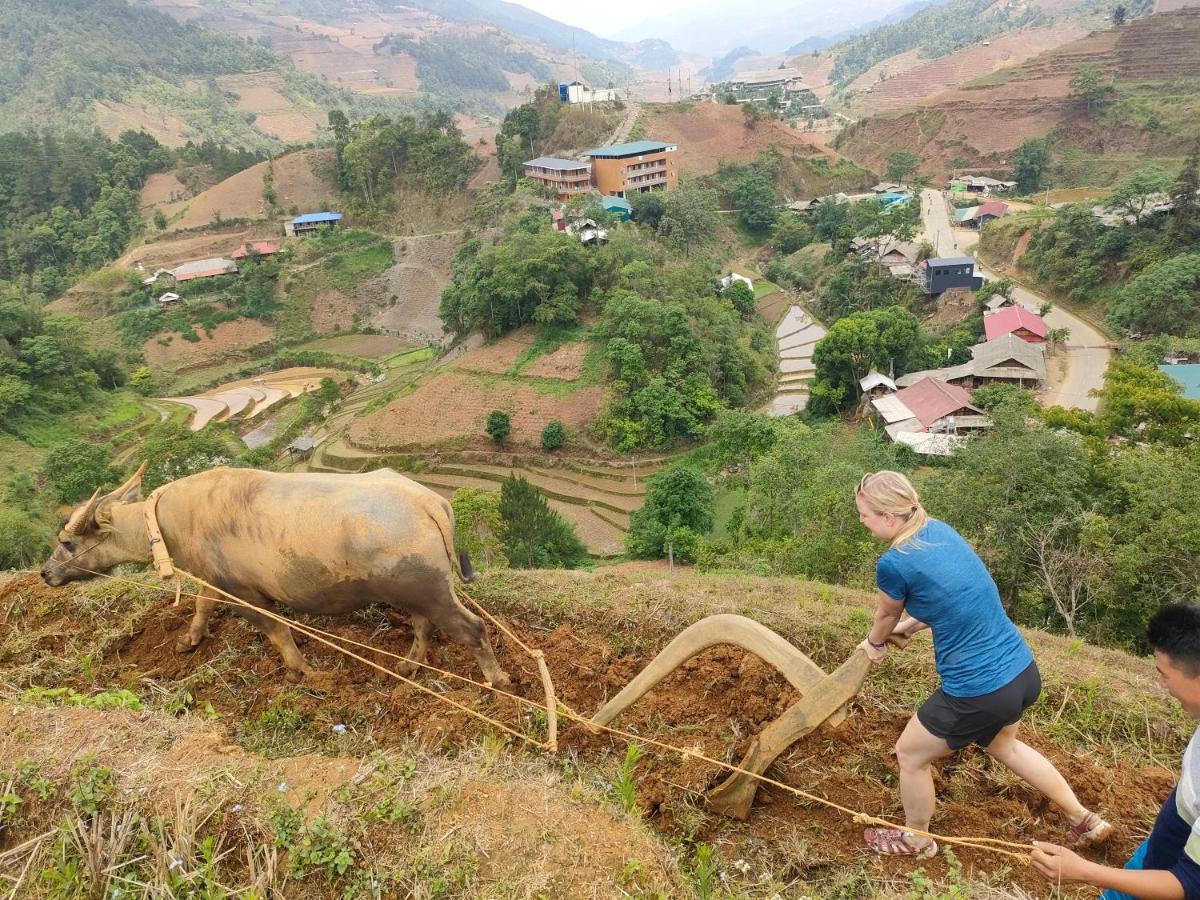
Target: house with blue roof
(310,222)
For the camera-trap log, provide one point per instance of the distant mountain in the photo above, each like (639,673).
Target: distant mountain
(79,63)
(648,51)
(811,44)
(722,68)
(715,27)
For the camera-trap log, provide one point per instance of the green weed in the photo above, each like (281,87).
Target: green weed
(117,699)
(322,845)
(704,873)
(624,785)
(92,788)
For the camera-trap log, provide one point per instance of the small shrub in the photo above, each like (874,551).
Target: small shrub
(553,435)
(498,425)
(91,788)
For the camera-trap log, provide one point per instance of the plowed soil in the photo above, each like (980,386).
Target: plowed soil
(452,408)
(713,704)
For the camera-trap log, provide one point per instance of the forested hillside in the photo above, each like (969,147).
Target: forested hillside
(60,61)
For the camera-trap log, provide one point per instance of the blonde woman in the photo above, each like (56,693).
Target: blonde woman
(929,577)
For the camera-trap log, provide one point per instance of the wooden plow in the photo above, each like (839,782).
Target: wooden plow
(824,698)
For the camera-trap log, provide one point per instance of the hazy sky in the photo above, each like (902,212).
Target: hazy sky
(603,18)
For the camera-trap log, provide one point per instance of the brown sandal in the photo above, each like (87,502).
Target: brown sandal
(1091,829)
(894,842)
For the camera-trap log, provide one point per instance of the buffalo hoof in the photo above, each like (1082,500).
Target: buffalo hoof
(184,643)
(502,680)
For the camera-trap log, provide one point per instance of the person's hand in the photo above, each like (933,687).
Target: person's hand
(874,654)
(1058,863)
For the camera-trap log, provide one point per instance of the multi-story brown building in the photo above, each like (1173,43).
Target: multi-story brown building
(624,169)
(566,177)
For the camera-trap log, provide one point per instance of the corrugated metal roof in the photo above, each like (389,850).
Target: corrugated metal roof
(892,409)
(874,380)
(931,399)
(200,268)
(998,351)
(262,248)
(317,217)
(949,261)
(930,444)
(1010,319)
(557,163)
(632,148)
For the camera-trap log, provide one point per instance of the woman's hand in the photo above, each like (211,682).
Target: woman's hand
(1059,863)
(875,654)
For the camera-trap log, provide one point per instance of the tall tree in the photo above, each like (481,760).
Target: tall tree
(901,164)
(1134,194)
(535,536)
(1029,164)
(1185,196)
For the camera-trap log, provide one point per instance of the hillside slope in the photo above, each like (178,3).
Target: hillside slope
(74,64)
(1153,65)
(1101,720)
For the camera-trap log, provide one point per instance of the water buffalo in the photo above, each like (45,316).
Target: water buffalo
(321,544)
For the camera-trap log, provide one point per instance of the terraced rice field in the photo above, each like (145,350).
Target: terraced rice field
(796,336)
(248,398)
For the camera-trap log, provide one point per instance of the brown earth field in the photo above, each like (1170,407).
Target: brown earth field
(114,117)
(300,181)
(597,630)
(452,407)
(908,80)
(239,334)
(985,121)
(174,248)
(709,133)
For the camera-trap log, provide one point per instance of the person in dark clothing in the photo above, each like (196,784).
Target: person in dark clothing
(1167,864)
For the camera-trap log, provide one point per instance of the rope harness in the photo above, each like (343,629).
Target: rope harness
(553,707)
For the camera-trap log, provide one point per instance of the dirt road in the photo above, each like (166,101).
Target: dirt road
(1085,351)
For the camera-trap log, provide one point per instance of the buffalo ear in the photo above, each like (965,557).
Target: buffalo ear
(131,490)
(103,515)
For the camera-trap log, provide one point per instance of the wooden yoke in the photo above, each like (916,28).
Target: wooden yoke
(824,698)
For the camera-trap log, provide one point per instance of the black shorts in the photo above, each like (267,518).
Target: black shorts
(960,721)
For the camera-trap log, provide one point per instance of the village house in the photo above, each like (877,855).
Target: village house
(978,216)
(256,248)
(785,85)
(310,222)
(876,384)
(930,406)
(1007,359)
(633,167)
(946,272)
(578,92)
(204,268)
(169,298)
(979,184)
(566,177)
(618,206)
(734,276)
(1017,320)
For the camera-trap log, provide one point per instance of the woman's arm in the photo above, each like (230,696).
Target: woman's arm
(909,626)
(887,614)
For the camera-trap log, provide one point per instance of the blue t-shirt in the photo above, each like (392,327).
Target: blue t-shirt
(942,582)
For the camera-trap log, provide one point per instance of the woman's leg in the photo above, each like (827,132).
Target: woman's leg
(915,751)
(1036,770)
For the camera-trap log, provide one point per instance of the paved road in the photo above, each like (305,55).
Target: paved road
(1086,354)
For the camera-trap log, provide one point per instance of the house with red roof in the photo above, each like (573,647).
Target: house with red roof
(978,216)
(1018,320)
(256,248)
(929,406)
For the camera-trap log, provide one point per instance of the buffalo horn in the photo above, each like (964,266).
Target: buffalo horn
(79,521)
(134,480)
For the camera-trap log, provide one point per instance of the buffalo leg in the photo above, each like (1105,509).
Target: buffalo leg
(464,627)
(197,630)
(281,637)
(419,652)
